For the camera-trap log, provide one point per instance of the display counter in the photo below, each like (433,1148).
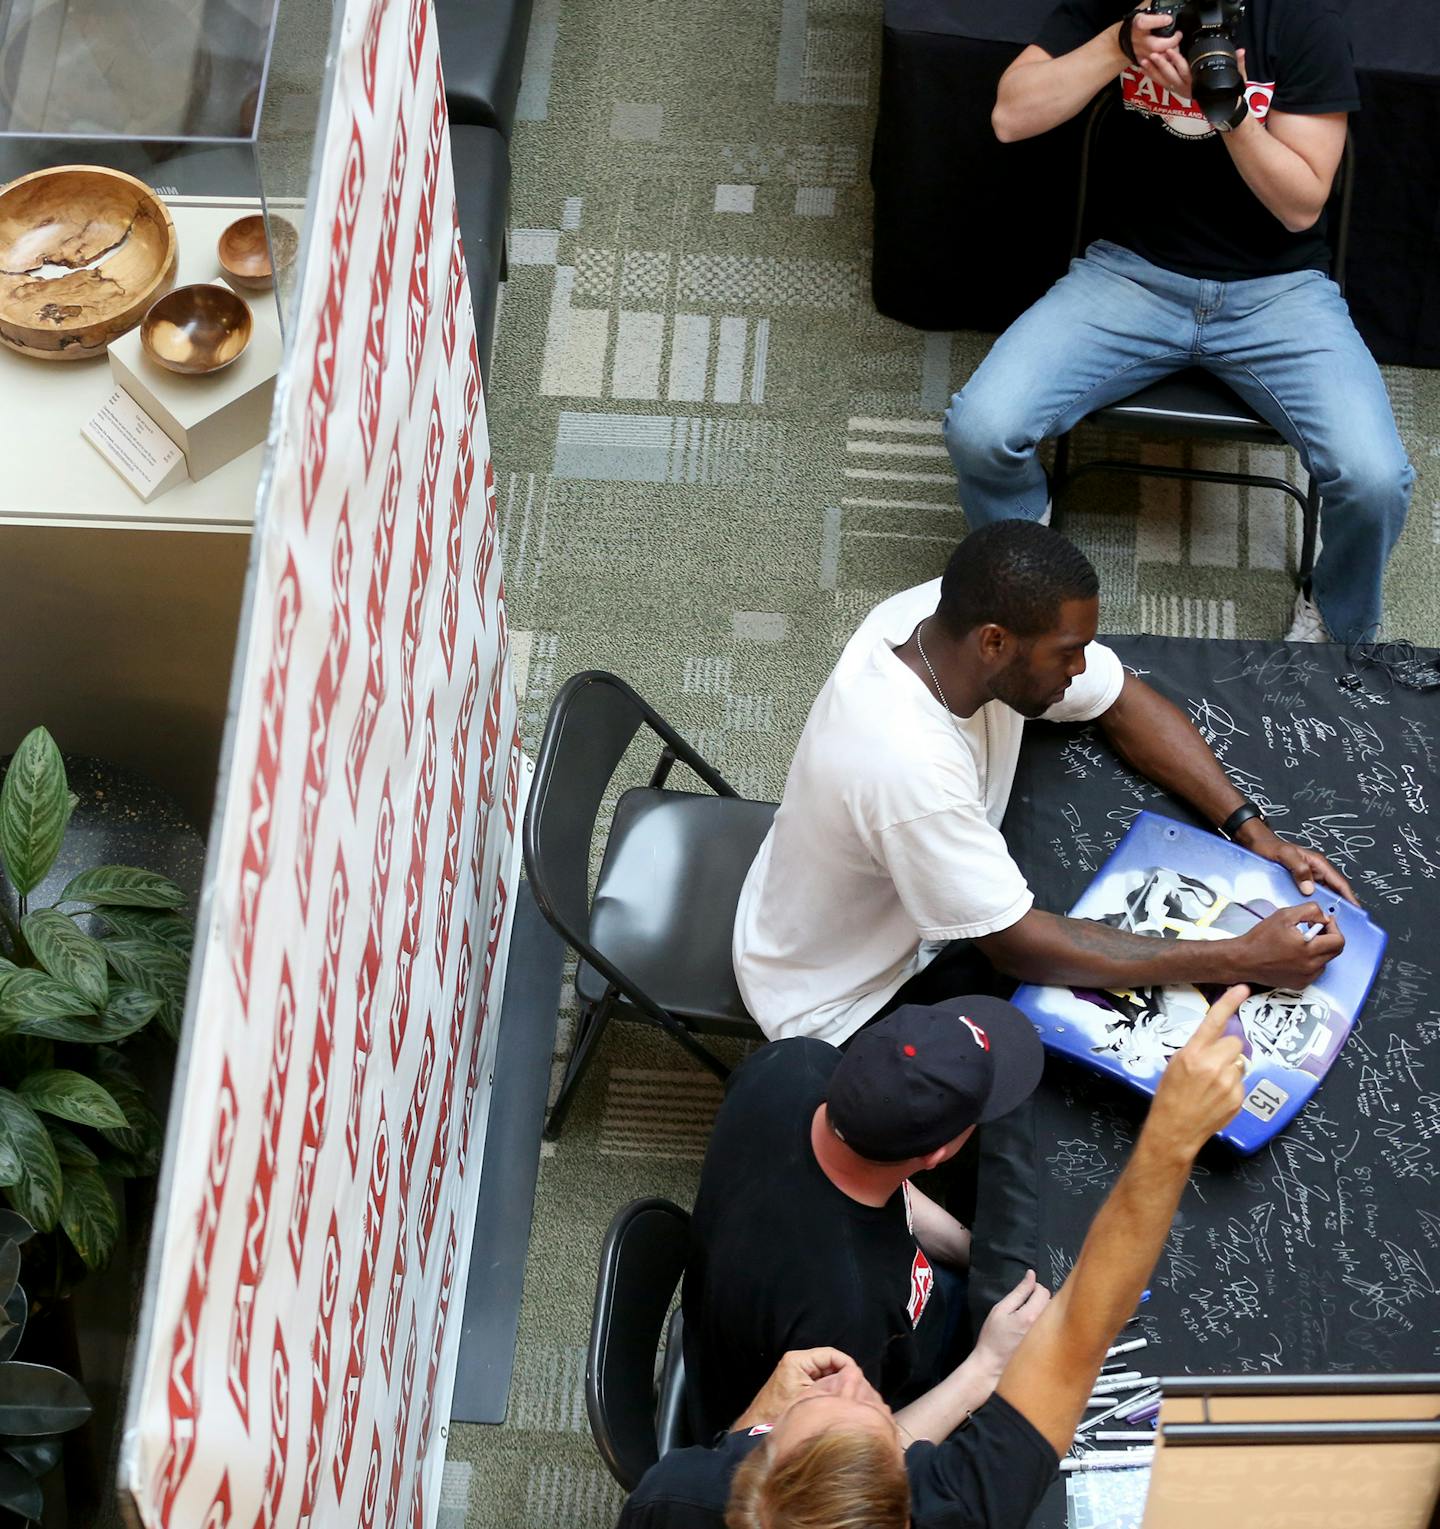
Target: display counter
(131,489)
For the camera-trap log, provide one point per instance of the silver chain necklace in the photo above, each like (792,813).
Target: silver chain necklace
(935,681)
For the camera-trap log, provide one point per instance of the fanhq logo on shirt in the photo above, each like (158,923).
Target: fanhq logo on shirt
(1179,114)
(922,1282)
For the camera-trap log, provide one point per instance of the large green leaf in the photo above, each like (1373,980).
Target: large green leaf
(157,924)
(36,1400)
(36,1193)
(72,1096)
(88,1214)
(34,809)
(12,1170)
(68,955)
(72,1151)
(157,968)
(129,1010)
(140,1142)
(123,886)
(150,964)
(31,995)
(19,1490)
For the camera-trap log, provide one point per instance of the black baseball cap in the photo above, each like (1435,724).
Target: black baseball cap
(919,1077)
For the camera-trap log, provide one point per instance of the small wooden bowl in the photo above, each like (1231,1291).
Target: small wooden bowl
(250,259)
(84,251)
(196,329)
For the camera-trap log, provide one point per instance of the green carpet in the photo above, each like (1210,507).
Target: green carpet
(712,457)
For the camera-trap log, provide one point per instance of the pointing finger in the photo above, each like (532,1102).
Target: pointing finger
(1219,1014)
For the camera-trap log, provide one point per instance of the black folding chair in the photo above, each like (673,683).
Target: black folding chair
(634,1421)
(654,942)
(1194,404)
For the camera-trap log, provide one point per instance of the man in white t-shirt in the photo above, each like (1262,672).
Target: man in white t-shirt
(887,844)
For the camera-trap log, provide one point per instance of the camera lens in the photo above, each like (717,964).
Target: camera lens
(1215,70)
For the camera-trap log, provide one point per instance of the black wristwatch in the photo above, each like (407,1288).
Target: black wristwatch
(1241,816)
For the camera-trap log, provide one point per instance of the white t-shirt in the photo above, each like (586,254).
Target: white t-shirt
(887,842)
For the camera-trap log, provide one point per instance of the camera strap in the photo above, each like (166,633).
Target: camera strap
(1126,38)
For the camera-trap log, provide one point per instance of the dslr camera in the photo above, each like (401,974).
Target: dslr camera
(1208,28)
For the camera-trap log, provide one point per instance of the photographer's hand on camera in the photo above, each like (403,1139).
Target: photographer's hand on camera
(1139,40)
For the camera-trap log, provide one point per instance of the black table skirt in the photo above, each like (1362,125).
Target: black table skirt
(1322,1252)
(969,231)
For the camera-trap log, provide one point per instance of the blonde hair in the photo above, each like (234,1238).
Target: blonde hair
(838,1480)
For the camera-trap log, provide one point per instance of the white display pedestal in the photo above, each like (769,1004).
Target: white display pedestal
(59,479)
(121,621)
(211,419)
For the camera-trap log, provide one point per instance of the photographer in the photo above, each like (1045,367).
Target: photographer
(1212,253)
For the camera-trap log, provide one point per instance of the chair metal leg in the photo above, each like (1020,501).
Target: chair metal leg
(702,1054)
(1059,476)
(1310,526)
(590,1028)
(1309,503)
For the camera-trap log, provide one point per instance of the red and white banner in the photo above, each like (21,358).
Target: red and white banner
(323,1163)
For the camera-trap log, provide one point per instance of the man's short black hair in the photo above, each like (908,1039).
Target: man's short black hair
(1016,573)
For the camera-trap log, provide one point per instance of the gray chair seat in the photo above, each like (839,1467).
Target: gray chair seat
(653,937)
(664,903)
(1192,404)
(482,198)
(482,48)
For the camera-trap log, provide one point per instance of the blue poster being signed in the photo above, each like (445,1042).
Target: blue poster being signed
(1175,882)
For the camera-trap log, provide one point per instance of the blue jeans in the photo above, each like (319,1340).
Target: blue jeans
(1285,344)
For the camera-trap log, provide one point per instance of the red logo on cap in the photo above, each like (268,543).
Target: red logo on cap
(909,1050)
(981,1039)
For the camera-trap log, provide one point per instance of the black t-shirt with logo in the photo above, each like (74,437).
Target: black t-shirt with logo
(781,1259)
(1164,184)
(990,1475)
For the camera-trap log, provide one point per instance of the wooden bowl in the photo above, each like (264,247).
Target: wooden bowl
(196,329)
(250,259)
(84,251)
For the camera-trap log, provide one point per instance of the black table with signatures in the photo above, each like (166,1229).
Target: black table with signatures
(1321,1253)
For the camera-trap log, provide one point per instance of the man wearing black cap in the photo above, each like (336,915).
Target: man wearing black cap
(806,1230)
(819,1446)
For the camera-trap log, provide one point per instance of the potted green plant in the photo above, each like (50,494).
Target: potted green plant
(80,978)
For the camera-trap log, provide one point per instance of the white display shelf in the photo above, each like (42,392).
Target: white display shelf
(55,477)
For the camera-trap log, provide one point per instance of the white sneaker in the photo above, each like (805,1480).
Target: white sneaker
(1307,624)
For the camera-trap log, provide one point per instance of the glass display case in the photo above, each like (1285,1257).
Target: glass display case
(155,157)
